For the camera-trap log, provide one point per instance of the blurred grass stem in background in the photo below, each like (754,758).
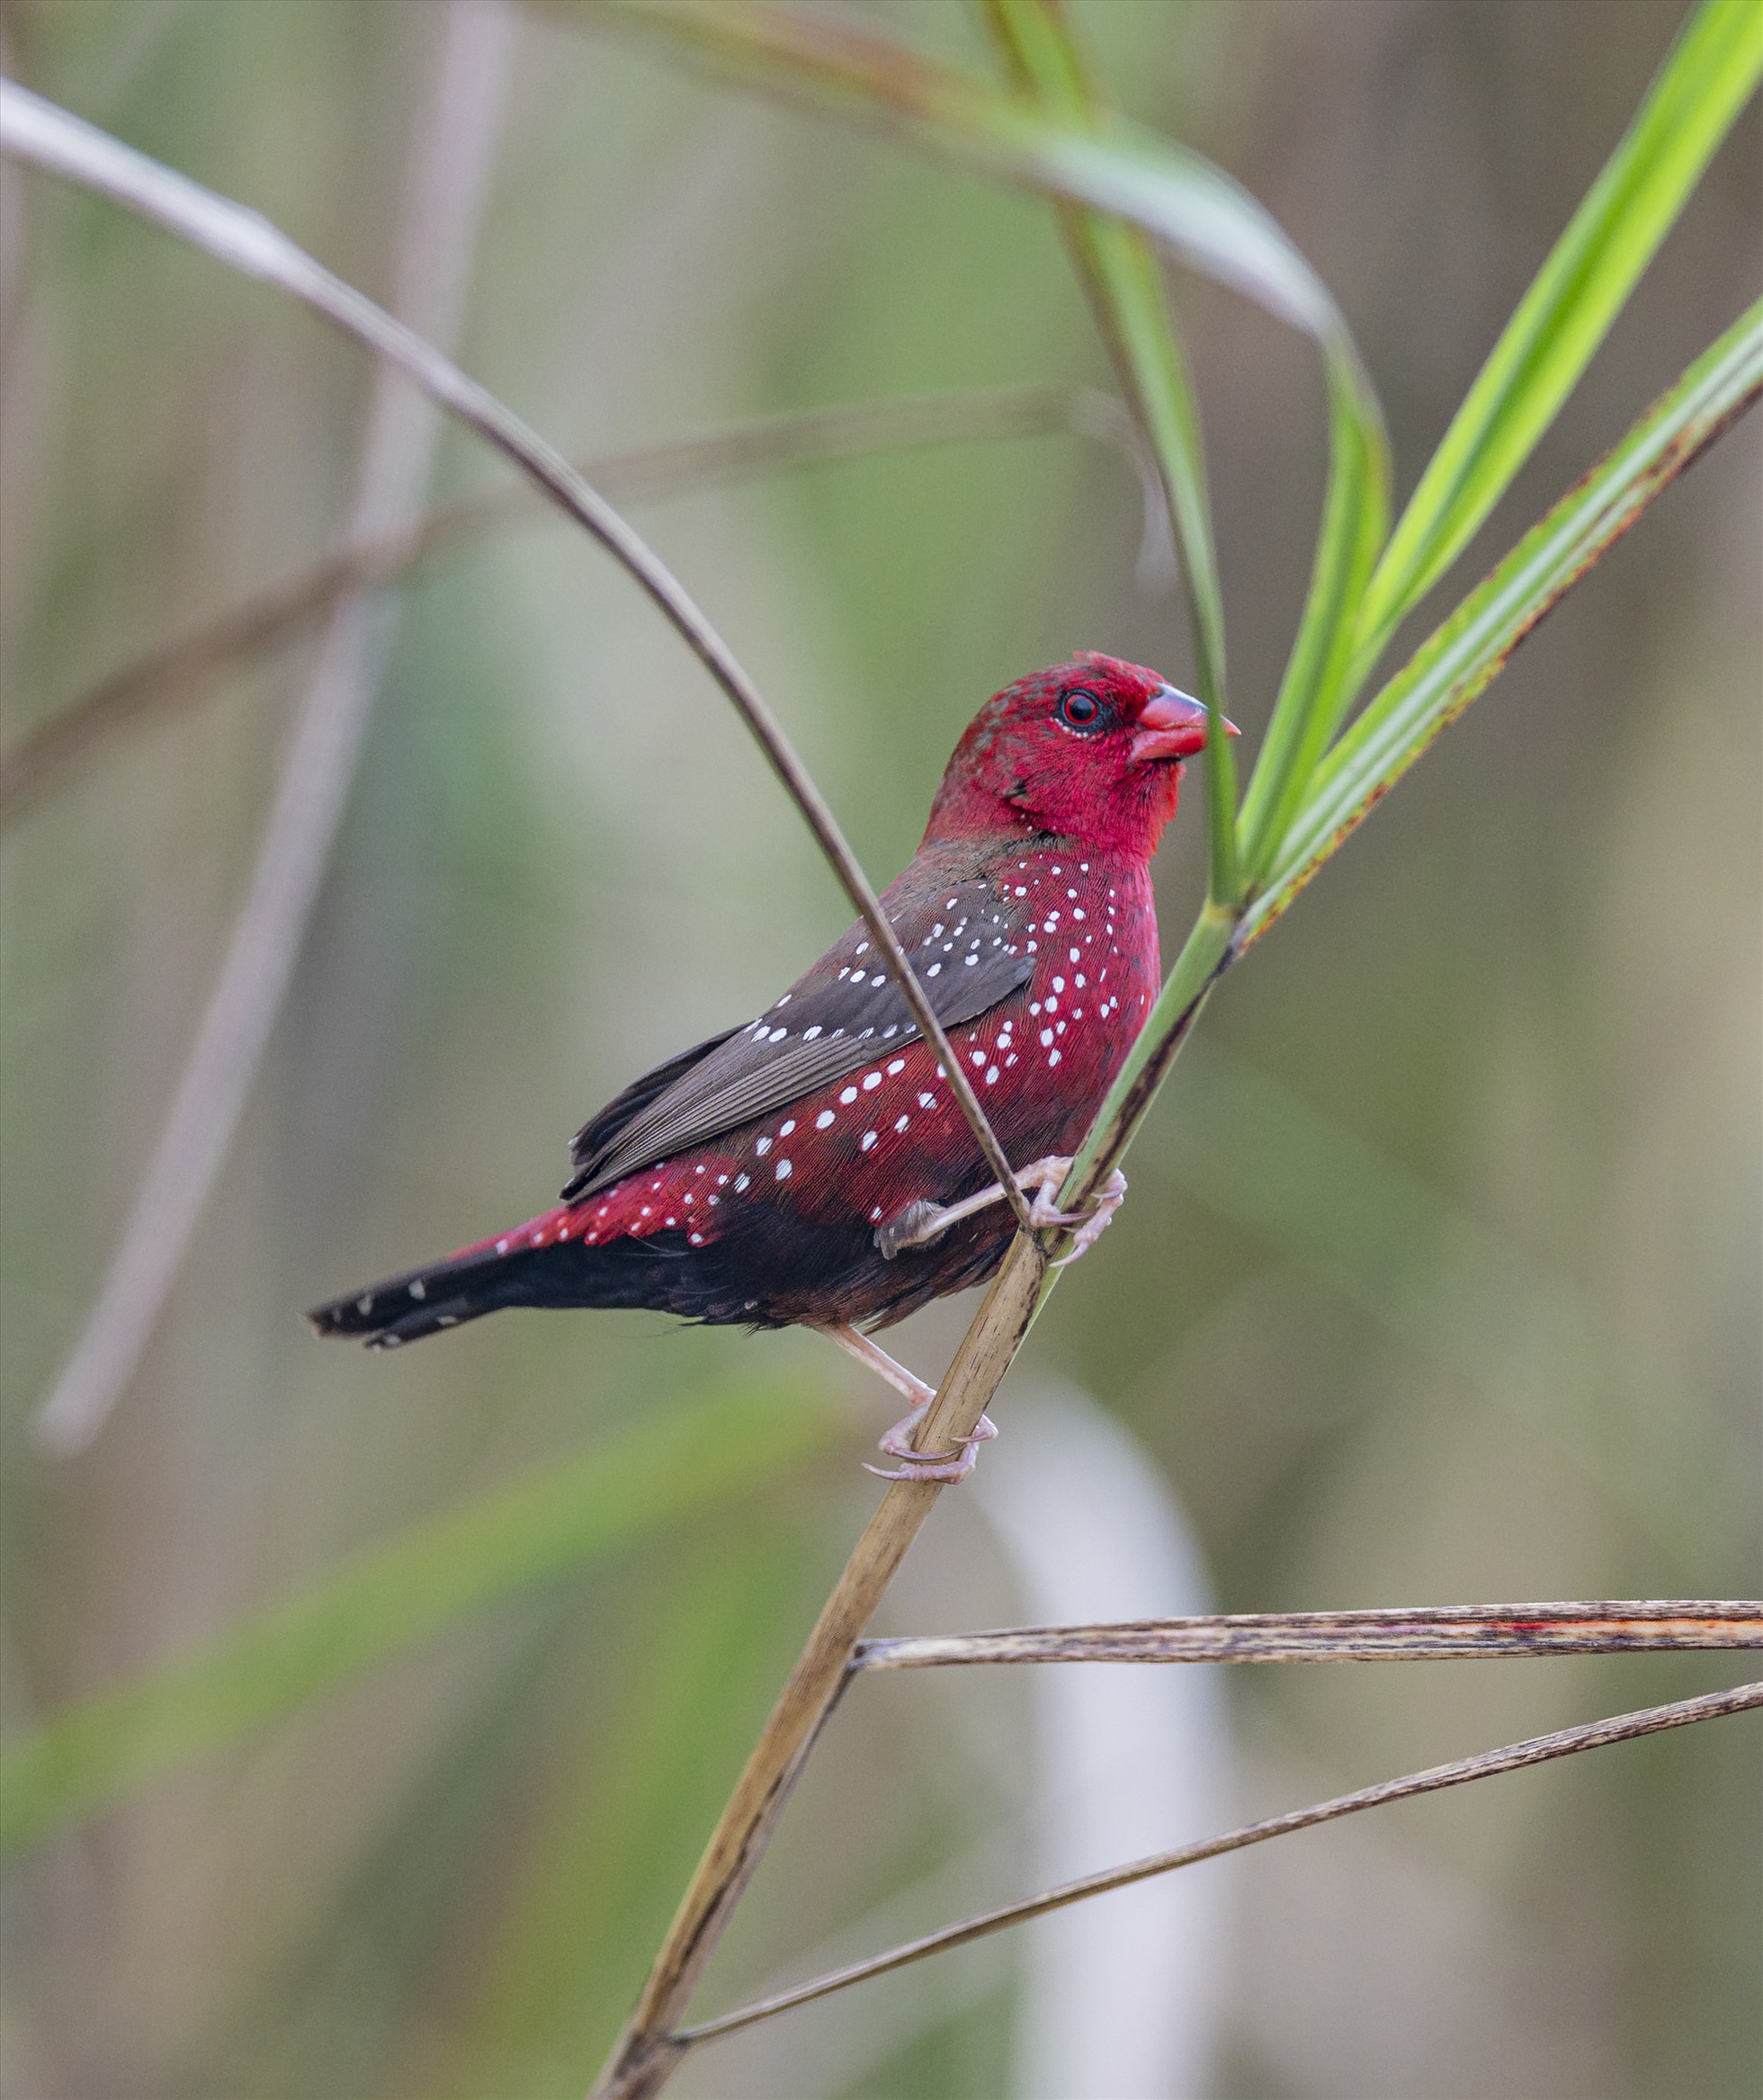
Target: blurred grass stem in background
(181,671)
(452,155)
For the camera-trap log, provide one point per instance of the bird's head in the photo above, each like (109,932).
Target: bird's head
(1090,750)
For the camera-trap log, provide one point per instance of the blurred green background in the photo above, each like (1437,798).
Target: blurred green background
(1440,1278)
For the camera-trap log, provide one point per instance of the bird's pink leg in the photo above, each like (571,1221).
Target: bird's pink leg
(921,1222)
(948,1466)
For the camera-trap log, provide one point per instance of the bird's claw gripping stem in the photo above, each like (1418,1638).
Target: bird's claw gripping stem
(928,1465)
(921,1222)
(946,1466)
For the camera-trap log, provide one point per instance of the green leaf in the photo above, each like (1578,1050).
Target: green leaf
(1121,272)
(1706,81)
(1464,655)
(435,1576)
(1315,692)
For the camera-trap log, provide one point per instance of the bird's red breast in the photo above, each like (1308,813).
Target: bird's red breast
(747,1180)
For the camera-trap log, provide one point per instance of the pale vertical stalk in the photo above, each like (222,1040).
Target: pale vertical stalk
(452,152)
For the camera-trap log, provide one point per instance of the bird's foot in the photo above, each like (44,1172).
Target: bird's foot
(1090,1224)
(948,1466)
(921,1222)
(915,1465)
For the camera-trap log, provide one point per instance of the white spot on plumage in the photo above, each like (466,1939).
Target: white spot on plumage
(898,1064)
(1053,1058)
(991,1074)
(872,1080)
(762,1146)
(740,1183)
(932,969)
(1046,1037)
(848,1095)
(1058,984)
(928,1101)
(777,1035)
(900,1123)
(784,1130)
(808,1034)
(869,1140)
(782,1170)
(824,1120)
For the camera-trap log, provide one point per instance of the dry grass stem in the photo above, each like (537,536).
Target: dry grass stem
(1515,1757)
(1442,1633)
(186,667)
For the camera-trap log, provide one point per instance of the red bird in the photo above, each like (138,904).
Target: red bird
(812,1167)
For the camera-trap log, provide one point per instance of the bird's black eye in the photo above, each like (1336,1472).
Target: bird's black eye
(1080,709)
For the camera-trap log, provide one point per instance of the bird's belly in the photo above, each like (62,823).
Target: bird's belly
(774,1223)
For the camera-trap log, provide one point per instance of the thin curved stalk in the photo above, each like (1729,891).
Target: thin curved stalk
(1596,1735)
(184,669)
(36,131)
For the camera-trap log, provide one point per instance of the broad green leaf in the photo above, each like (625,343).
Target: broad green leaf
(1462,656)
(1124,282)
(1706,81)
(436,1575)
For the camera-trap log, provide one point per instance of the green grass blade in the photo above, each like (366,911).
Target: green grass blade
(436,1575)
(1464,655)
(1706,81)
(1315,692)
(1124,282)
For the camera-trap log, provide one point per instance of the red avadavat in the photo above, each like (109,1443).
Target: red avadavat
(812,1167)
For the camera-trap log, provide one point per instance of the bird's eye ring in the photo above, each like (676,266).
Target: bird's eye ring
(1080,709)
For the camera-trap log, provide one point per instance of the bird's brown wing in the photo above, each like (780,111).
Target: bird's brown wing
(967,949)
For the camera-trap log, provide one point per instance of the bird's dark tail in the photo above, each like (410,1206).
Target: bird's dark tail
(539,1263)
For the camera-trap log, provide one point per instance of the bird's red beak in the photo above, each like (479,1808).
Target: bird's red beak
(1171,725)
